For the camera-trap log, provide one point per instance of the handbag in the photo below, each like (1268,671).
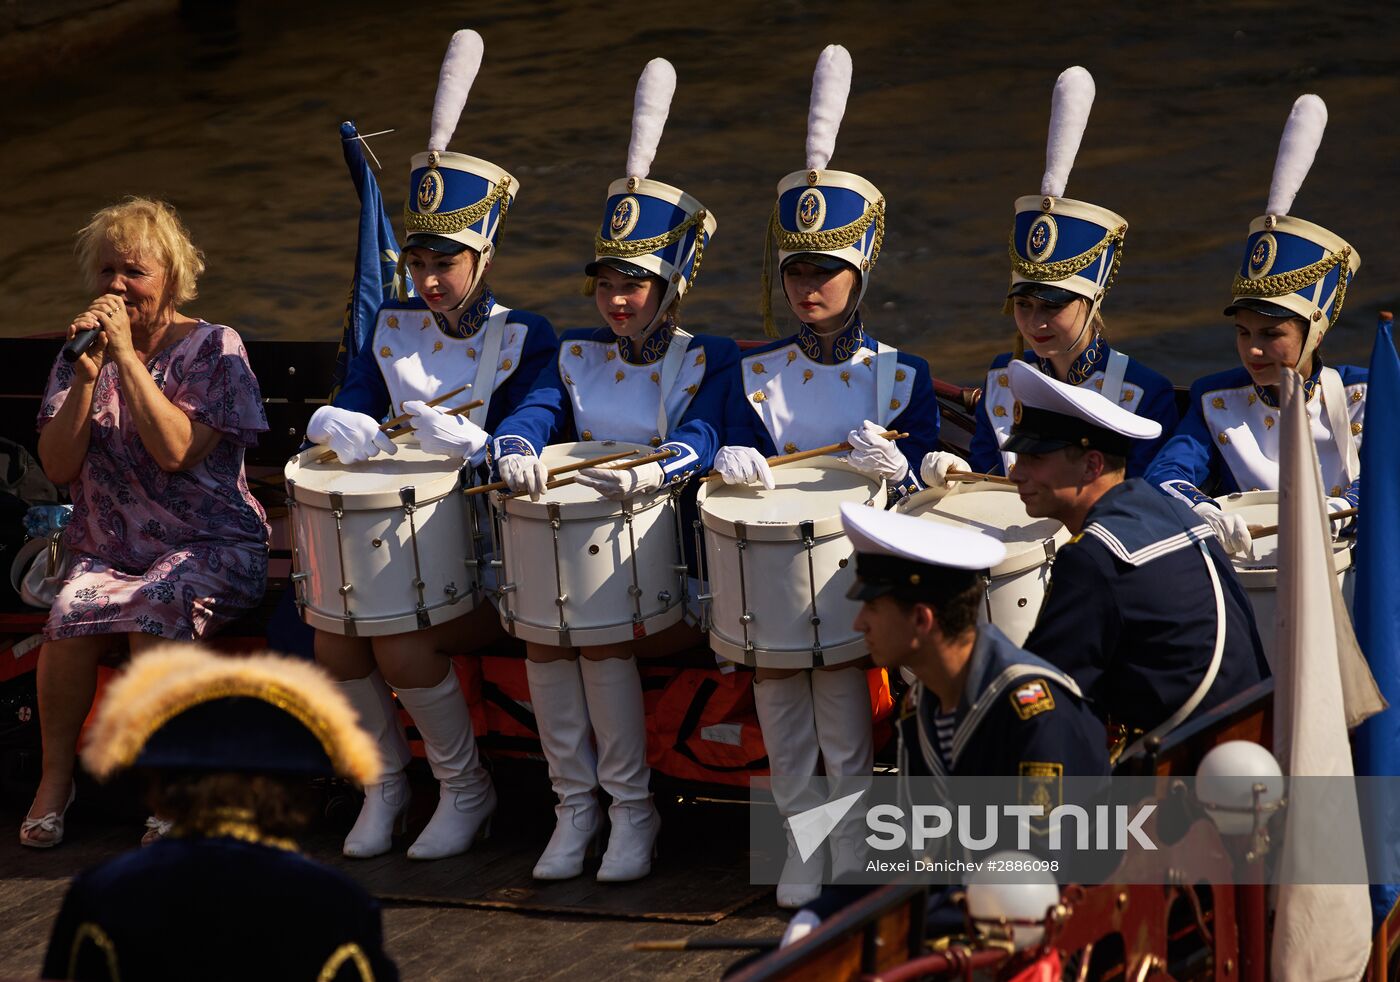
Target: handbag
(40,569)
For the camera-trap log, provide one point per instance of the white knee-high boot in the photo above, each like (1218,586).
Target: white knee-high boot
(561,714)
(841,704)
(790,736)
(386,802)
(466,797)
(614,692)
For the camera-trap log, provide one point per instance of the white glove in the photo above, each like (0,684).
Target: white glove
(743,465)
(803,923)
(1230,528)
(1335,505)
(615,484)
(936,465)
(875,455)
(354,437)
(523,472)
(437,432)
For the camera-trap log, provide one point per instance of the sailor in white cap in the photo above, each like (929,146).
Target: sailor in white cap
(982,707)
(1287,294)
(454,333)
(829,382)
(640,379)
(1065,255)
(1144,611)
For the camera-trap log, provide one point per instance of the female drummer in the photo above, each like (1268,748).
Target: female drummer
(831,381)
(1288,291)
(1064,257)
(421,348)
(640,379)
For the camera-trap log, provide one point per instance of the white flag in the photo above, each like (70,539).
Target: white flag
(1321,928)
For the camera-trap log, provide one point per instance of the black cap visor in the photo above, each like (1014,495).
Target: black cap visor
(818,259)
(437,243)
(1056,295)
(631,270)
(1261,307)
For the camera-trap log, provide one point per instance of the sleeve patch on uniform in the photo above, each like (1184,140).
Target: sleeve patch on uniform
(1041,783)
(1032,699)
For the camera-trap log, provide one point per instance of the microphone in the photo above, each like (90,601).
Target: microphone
(79,343)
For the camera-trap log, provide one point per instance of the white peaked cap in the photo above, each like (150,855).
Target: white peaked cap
(459,68)
(1069,115)
(831,85)
(874,531)
(1302,135)
(1033,388)
(649,111)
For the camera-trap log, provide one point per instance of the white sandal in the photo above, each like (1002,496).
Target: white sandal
(156,829)
(51,825)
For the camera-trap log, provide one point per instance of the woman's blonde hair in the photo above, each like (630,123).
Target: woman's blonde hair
(148,228)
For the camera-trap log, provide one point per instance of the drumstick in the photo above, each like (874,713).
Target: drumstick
(967,477)
(329,455)
(627,466)
(577,466)
(1255,531)
(792,458)
(707,944)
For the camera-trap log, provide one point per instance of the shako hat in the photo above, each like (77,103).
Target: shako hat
(898,553)
(1049,415)
(823,215)
(1293,268)
(650,228)
(183,708)
(1060,248)
(455,201)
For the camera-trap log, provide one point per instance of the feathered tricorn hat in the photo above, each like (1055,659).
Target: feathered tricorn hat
(1059,242)
(181,707)
(819,211)
(455,200)
(650,228)
(1293,268)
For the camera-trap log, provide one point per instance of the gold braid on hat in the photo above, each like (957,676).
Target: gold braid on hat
(632,248)
(824,240)
(1063,269)
(452,222)
(1282,284)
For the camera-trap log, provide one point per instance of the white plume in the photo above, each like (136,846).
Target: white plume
(831,84)
(459,68)
(649,111)
(1069,114)
(1302,135)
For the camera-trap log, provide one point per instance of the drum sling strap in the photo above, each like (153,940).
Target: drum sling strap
(1207,680)
(483,389)
(886,361)
(1113,374)
(1334,400)
(670,370)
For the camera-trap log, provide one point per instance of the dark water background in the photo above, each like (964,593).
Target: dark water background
(230,110)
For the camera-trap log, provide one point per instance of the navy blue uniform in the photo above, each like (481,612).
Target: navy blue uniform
(1130,613)
(1019,716)
(215,909)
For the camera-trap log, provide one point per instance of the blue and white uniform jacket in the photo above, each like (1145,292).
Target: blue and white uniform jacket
(1130,611)
(417,354)
(787,399)
(1229,438)
(1143,391)
(603,387)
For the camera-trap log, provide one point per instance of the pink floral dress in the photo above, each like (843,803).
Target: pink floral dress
(172,555)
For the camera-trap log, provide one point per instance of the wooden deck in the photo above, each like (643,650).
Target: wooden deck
(480,915)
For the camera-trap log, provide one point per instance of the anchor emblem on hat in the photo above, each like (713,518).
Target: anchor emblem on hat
(430,189)
(811,208)
(1261,257)
(1040,240)
(624,218)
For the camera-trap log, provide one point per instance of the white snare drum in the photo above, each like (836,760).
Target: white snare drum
(779,565)
(381,547)
(583,570)
(1018,583)
(1259,573)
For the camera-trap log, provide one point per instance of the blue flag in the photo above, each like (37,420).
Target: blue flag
(1376,614)
(376,256)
